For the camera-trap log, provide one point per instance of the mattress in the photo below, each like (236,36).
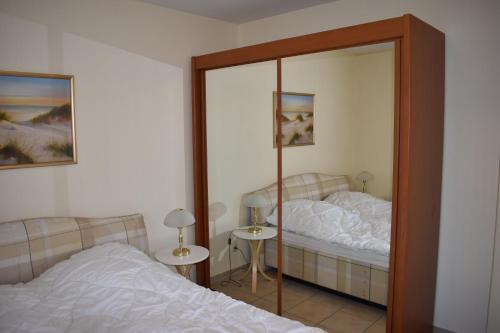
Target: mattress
(117,288)
(335,250)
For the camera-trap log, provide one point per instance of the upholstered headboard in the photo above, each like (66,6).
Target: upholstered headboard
(30,247)
(312,186)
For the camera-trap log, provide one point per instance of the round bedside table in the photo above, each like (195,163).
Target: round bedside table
(182,264)
(256,244)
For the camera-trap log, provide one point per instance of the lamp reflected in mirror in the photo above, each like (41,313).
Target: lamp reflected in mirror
(254,202)
(364,177)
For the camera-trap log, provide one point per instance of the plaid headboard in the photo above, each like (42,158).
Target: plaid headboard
(312,186)
(30,247)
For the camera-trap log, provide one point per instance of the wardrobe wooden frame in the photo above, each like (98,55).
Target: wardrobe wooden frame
(418,148)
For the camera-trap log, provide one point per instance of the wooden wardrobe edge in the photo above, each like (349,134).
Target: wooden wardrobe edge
(366,33)
(421,143)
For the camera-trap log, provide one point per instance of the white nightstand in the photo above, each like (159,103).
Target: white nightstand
(256,244)
(182,264)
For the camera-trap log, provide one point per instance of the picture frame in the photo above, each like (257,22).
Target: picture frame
(37,120)
(297,123)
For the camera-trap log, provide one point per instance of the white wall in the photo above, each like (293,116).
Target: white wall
(348,88)
(372,122)
(472,134)
(493,317)
(131,63)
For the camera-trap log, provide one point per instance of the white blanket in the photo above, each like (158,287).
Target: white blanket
(116,288)
(352,219)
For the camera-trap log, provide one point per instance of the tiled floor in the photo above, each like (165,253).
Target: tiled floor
(308,304)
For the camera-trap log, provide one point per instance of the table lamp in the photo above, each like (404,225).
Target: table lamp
(255,201)
(364,177)
(179,218)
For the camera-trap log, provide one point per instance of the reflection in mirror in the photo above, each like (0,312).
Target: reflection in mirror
(338,129)
(241,161)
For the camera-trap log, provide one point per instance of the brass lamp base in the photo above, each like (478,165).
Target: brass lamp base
(180,252)
(255,230)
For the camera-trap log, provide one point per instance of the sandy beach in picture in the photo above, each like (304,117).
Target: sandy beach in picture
(297,119)
(35,120)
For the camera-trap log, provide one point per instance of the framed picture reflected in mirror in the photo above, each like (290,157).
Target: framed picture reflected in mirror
(297,119)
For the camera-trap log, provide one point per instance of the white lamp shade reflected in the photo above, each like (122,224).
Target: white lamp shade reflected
(255,201)
(179,218)
(364,176)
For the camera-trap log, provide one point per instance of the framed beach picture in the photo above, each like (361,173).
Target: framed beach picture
(37,121)
(297,119)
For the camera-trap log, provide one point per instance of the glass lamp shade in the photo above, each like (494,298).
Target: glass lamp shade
(255,201)
(364,176)
(179,218)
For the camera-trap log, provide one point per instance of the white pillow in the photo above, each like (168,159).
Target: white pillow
(347,199)
(288,206)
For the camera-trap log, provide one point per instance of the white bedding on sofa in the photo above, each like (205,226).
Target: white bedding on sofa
(351,219)
(116,288)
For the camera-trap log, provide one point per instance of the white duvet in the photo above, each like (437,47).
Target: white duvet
(351,219)
(116,288)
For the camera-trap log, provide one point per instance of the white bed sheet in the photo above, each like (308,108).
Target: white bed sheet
(350,219)
(332,249)
(116,288)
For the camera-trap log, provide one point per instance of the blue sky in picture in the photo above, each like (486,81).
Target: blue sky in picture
(19,90)
(297,103)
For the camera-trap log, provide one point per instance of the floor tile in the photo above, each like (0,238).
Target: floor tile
(330,298)
(315,310)
(297,318)
(300,288)
(265,305)
(376,328)
(310,305)
(264,287)
(344,322)
(235,292)
(382,321)
(363,311)
(289,298)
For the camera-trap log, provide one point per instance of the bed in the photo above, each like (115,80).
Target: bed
(95,275)
(352,264)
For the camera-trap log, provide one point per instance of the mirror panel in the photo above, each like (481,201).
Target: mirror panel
(242,168)
(338,132)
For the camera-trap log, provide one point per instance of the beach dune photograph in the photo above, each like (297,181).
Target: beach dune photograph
(297,119)
(36,120)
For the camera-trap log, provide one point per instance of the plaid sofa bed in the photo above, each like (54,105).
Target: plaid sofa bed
(359,279)
(30,247)
(312,186)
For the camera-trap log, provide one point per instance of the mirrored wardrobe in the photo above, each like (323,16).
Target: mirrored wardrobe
(317,170)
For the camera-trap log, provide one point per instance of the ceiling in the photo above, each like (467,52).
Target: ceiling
(237,11)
